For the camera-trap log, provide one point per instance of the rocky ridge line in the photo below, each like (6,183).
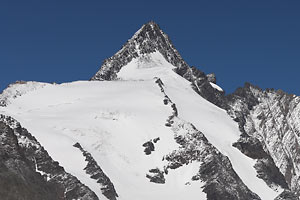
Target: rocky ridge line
(93,169)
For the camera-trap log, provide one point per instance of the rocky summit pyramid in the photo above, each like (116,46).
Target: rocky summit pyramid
(148,126)
(149,39)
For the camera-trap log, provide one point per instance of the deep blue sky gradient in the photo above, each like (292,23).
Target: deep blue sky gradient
(239,40)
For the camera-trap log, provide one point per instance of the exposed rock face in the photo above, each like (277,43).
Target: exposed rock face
(150,38)
(272,117)
(29,173)
(18,178)
(265,165)
(95,171)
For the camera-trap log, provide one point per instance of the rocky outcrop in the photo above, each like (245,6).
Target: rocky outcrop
(29,173)
(149,147)
(94,170)
(156,176)
(211,78)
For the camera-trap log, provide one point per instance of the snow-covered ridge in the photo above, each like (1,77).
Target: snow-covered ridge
(17,89)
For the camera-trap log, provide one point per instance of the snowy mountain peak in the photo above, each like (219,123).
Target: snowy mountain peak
(148,39)
(151,42)
(152,29)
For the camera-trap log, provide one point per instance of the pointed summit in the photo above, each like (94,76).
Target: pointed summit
(151,28)
(151,38)
(148,39)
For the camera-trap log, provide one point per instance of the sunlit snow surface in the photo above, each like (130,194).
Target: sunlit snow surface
(216,86)
(112,119)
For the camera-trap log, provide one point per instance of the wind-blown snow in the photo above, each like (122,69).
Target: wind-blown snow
(112,120)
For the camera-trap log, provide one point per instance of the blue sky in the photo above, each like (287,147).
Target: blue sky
(257,41)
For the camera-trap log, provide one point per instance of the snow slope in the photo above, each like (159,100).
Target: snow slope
(113,119)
